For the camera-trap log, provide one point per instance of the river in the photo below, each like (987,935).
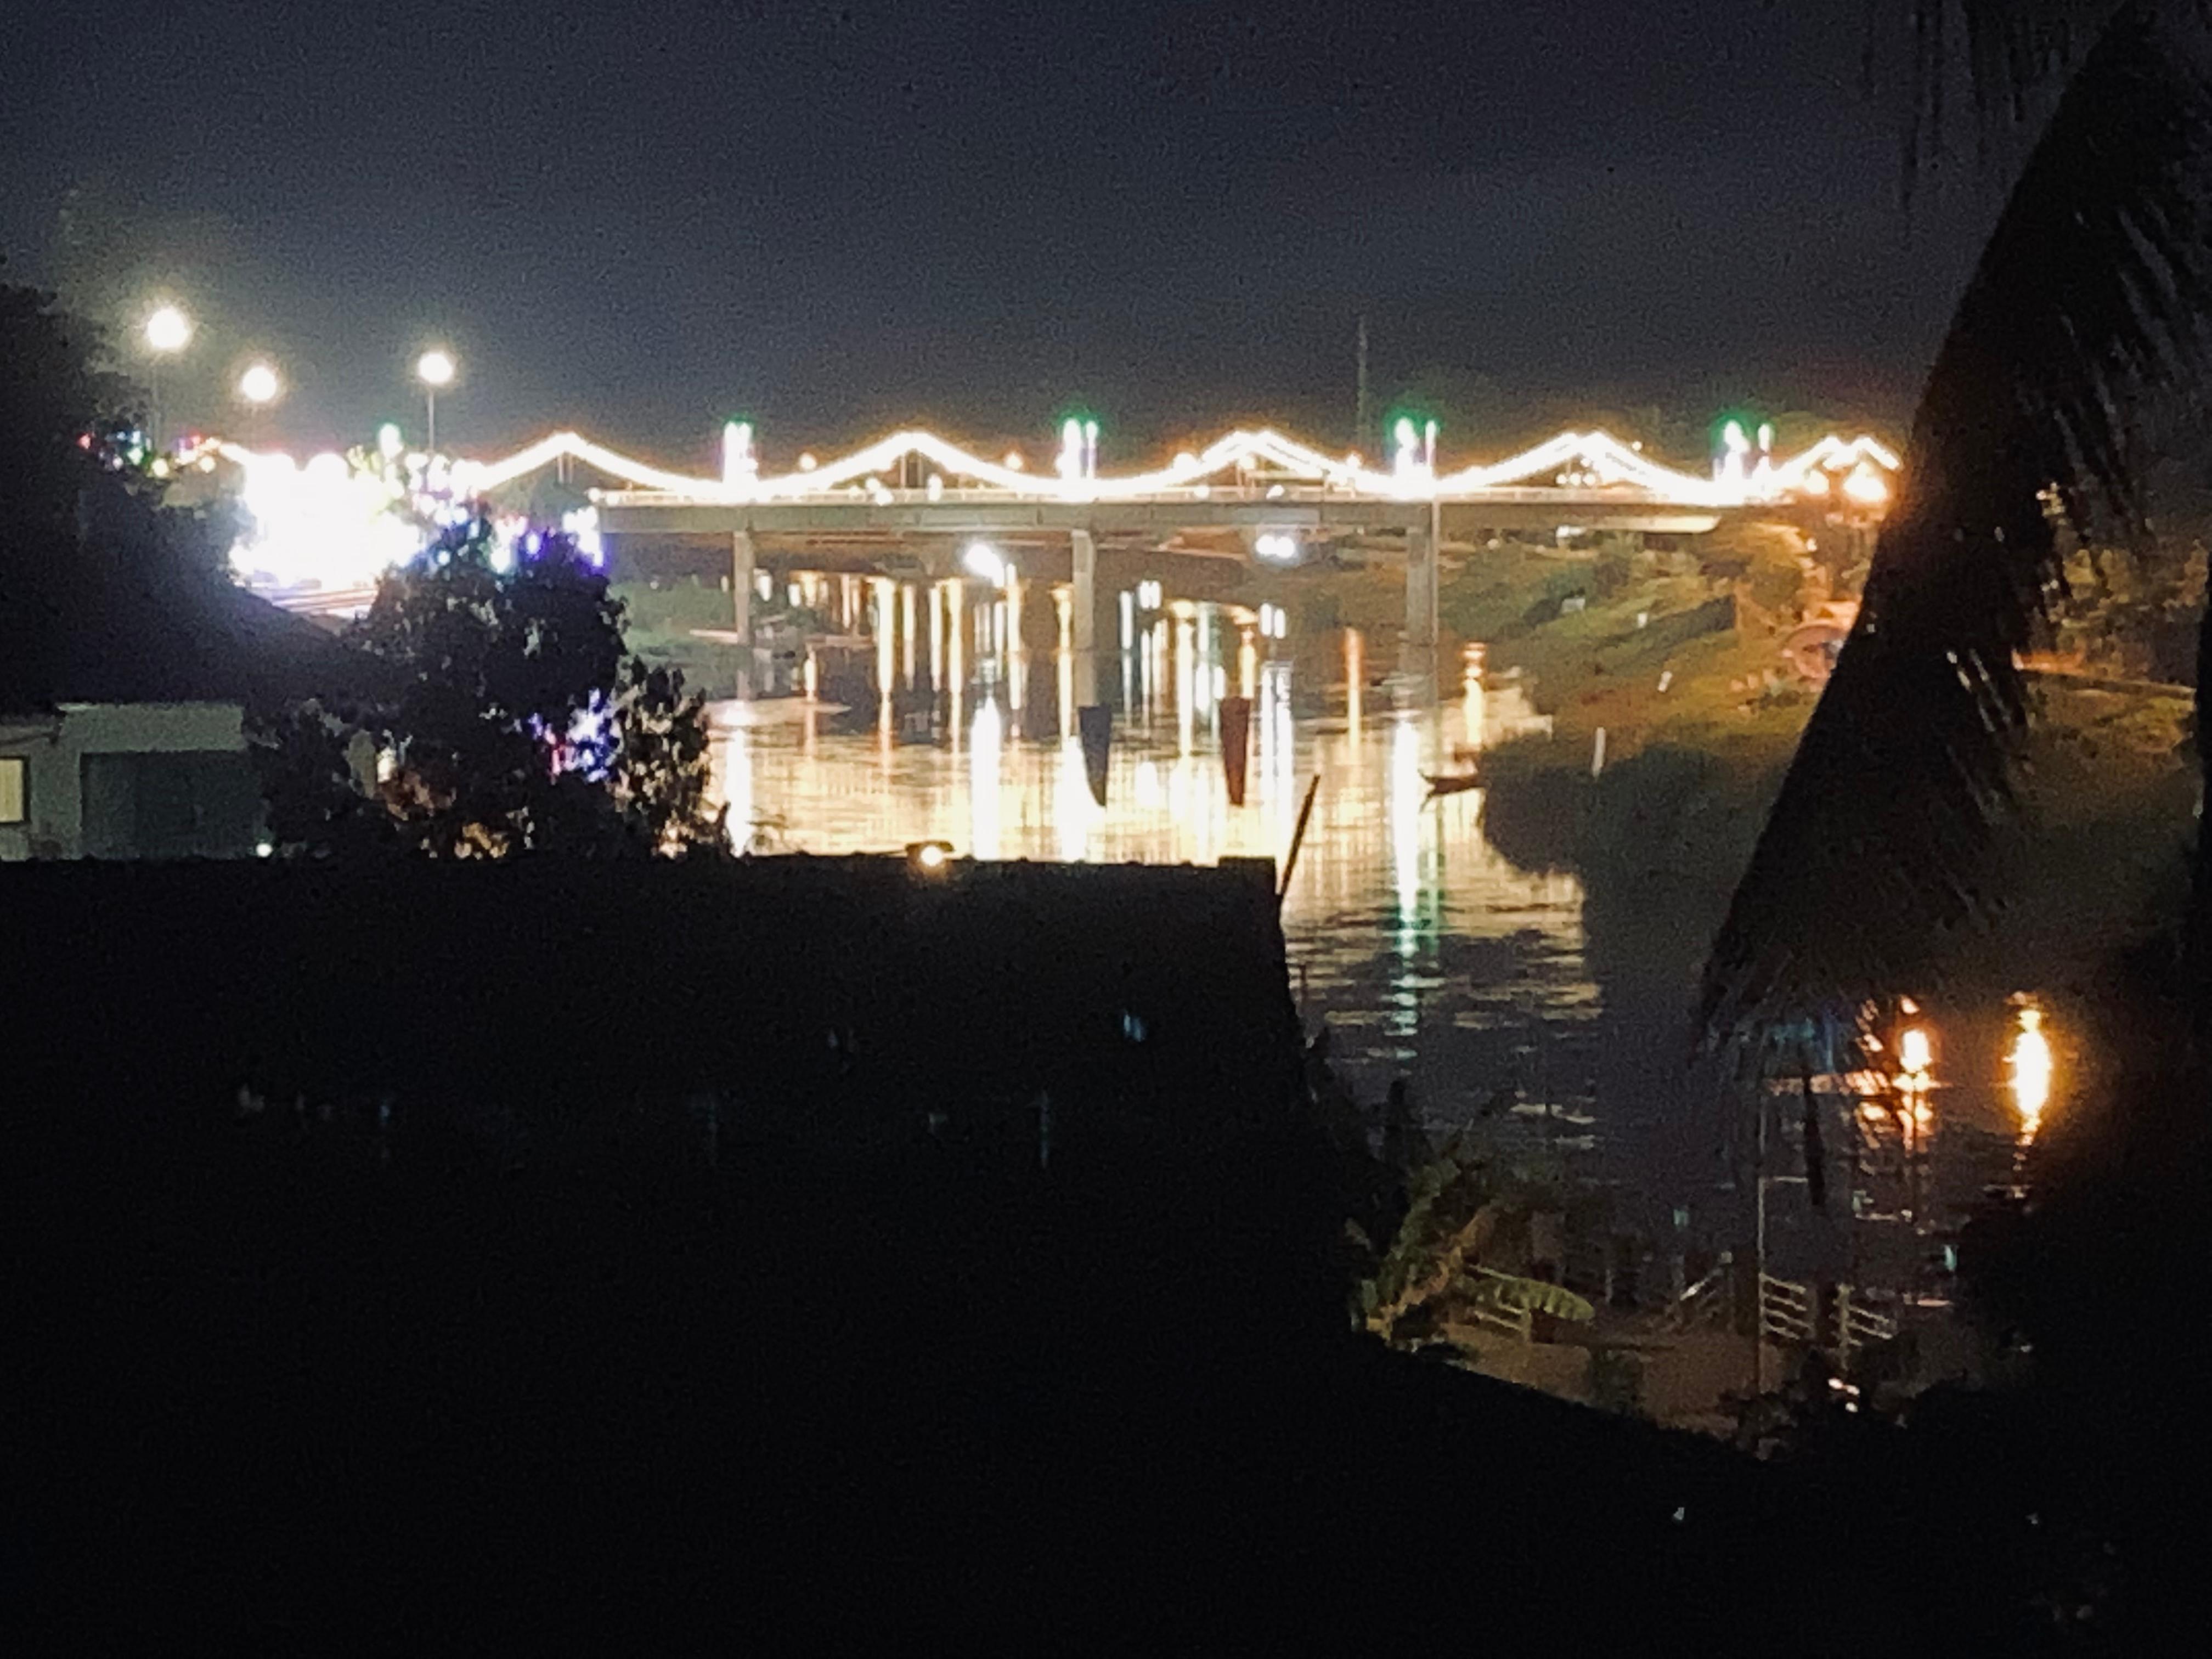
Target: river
(1428,954)
(1430,957)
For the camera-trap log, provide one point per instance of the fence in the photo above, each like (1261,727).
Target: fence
(1789,1312)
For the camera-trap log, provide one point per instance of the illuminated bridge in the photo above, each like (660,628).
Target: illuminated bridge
(1274,492)
(1260,492)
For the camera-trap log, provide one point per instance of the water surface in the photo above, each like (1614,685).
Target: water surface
(1430,957)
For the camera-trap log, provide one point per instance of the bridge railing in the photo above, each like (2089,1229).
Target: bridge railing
(1289,495)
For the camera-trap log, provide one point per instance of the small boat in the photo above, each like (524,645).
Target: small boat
(1452,783)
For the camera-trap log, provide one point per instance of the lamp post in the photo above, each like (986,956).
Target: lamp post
(435,368)
(168,332)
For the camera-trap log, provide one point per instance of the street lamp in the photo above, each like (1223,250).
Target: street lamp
(259,385)
(435,368)
(168,332)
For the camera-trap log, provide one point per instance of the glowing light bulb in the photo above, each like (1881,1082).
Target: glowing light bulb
(1407,460)
(259,385)
(435,368)
(982,560)
(1914,1051)
(2031,1068)
(169,330)
(1865,486)
(739,464)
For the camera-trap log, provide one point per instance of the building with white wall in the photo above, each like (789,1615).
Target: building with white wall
(130,780)
(123,715)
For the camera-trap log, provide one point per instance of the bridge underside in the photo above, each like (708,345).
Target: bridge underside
(1157,519)
(1079,527)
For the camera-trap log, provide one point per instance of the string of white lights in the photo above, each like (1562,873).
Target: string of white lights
(1604,457)
(313,519)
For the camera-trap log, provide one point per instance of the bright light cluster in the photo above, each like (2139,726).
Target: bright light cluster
(328,525)
(340,522)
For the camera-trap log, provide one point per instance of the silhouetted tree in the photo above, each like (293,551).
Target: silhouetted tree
(95,565)
(2088,305)
(515,722)
(2086,310)
(52,397)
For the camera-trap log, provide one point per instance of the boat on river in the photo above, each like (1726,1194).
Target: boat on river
(1451,783)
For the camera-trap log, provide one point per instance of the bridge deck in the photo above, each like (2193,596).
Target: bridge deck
(965,512)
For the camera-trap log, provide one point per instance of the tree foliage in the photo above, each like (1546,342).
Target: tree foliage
(2088,303)
(1466,1214)
(96,566)
(2134,614)
(515,721)
(51,395)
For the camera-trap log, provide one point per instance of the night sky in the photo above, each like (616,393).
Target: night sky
(639,218)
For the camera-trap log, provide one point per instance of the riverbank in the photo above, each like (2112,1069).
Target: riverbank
(1700,714)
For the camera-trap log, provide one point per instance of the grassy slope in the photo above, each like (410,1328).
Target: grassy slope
(2096,852)
(1597,667)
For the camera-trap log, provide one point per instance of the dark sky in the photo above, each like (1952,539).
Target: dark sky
(637,218)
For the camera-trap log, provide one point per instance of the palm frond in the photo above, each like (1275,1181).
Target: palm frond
(2093,296)
(2003,50)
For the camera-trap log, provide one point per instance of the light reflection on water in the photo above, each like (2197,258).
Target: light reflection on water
(1941,1117)
(1430,957)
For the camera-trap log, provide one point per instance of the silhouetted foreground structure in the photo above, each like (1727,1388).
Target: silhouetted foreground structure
(537,1344)
(854,990)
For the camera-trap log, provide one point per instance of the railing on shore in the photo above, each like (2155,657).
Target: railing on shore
(1789,1312)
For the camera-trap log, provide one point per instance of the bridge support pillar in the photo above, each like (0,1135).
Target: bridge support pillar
(1421,591)
(741,608)
(1083,617)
